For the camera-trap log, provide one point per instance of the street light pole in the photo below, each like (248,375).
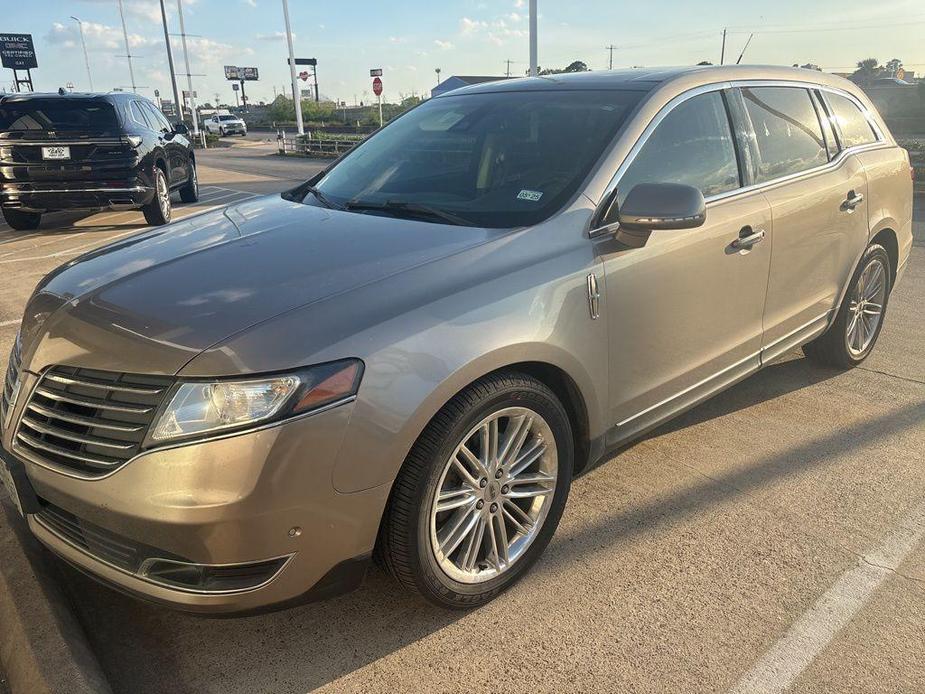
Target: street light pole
(437,70)
(534,68)
(173,75)
(128,51)
(189,76)
(297,102)
(80,26)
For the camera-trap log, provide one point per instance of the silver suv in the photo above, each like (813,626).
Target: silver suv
(412,354)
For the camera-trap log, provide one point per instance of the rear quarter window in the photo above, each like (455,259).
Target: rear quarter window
(852,123)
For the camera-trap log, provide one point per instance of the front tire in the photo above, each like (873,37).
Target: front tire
(158,211)
(481,492)
(851,338)
(22,221)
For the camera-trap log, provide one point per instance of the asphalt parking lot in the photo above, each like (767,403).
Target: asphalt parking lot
(769,540)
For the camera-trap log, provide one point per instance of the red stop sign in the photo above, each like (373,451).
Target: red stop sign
(304,75)
(377,86)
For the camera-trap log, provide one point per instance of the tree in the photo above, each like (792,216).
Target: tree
(809,66)
(868,70)
(576,66)
(893,66)
(704,62)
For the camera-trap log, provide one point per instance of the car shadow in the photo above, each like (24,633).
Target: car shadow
(312,645)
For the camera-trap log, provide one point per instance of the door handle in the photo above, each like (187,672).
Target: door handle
(853,200)
(747,238)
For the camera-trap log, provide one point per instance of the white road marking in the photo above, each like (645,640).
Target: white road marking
(7,323)
(780,666)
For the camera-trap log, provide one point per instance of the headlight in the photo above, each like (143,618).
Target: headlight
(199,408)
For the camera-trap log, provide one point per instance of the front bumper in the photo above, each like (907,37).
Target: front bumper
(252,497)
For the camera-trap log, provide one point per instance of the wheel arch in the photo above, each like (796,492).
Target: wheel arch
(886,237)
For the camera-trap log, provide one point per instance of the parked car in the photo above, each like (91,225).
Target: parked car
(225,124)
(72,151)
(411,355)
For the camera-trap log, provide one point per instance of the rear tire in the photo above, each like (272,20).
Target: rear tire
(502,515)
(22,221)
(158,211)
(853,335)
(190,190)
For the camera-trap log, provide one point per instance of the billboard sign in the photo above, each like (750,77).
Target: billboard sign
(231,73)
(17,52)
(248,73)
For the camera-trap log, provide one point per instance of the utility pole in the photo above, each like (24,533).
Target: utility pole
(507,72)
(296,100)
(80,26)
(173,75)
(128,51)
(722,53)
(610,48)
(189,75)
(534,68)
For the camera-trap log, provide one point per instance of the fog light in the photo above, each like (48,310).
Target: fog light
(211,578)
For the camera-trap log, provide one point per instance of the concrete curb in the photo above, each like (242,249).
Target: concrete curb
(43,649)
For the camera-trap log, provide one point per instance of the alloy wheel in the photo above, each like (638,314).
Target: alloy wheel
(163,195)
(865,309)
(493,495)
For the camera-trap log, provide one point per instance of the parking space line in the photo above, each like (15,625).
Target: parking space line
(780,666)
(8,323)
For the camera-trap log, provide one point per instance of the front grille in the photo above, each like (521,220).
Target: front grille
(93,540)
(89,421)
(9,382)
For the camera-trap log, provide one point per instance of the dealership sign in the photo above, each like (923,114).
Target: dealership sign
(17,51)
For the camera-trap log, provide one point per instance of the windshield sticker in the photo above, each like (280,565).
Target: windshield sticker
(531,195)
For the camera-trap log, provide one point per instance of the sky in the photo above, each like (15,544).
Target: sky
(410,39)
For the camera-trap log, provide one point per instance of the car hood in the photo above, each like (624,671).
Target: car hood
(151,303)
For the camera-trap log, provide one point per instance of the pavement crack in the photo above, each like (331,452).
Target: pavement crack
(887,373)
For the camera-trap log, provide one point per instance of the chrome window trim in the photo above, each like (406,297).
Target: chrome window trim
(836,161)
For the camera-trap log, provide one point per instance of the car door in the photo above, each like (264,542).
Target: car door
(819,218)
(685,310)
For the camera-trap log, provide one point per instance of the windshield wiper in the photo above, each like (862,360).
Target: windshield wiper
(413,208)
(321,197)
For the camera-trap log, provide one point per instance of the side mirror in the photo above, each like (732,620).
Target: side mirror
(180,129)
(652,206)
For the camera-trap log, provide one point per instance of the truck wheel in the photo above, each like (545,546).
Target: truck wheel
(22,221)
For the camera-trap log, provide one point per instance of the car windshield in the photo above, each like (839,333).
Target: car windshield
(58,115)
(498,160)
(228,118)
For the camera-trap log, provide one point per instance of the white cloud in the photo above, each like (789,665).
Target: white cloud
(397,39)
(469,26)
(275,36)
(514,17)
(442,45)
(520,4)
(252,3)
(99,37)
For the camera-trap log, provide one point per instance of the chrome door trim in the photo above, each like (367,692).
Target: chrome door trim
(691,388)
(835,162)
(796,330)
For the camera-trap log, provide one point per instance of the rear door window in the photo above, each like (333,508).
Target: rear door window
(853,124)
(58,115)
(787,131)
(692,145)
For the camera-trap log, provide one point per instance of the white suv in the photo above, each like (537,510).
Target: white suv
(225,124)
